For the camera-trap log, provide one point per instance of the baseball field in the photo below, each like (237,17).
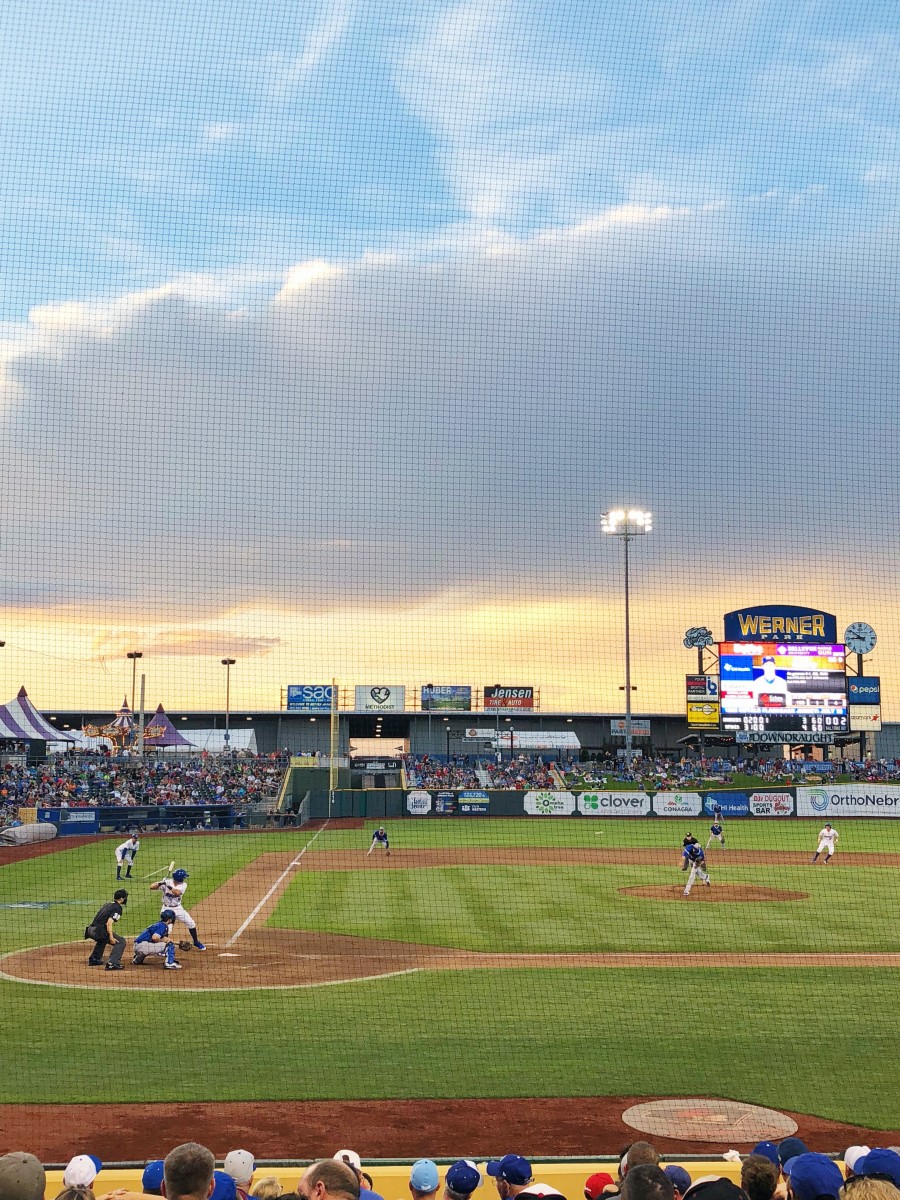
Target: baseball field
(482,958)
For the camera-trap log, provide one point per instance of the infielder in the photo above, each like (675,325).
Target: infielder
(156,941)
(173,888)
(695,858)
(380,838)
(827,837)
(716,833)
(126,854)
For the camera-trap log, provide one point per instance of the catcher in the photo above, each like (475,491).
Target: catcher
(156,942)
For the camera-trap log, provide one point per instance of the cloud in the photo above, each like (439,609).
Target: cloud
(398,429)
(182,643)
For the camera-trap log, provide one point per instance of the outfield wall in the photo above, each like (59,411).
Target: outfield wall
(826,801)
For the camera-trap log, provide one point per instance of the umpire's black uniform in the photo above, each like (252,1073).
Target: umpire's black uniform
(103,934)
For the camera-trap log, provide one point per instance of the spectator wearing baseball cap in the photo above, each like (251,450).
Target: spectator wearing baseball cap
(789,1149)
(224,1187)
(768,1150)
(810,1176)
(541,1191)
(511,1174)
(152,1178)
(354,1162)
(240,1165)
(424,1179)
(880,1164)
(601,1183)
(22,1177)
(759,1176)
(681,1180)
(461,1180)
(852,1155)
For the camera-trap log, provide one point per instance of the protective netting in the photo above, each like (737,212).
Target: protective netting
(333,335)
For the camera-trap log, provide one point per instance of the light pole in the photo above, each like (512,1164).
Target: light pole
(627,525)
(228,663)
(134,655)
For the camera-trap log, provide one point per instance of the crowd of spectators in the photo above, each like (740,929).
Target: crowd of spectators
(80,780)
(426,771)
(788,1171)
(521,774)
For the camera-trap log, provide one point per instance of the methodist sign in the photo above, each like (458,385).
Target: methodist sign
(780,623)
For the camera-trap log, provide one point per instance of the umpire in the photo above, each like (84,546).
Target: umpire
(102,931)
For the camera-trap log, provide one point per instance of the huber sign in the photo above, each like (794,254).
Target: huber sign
(780,623)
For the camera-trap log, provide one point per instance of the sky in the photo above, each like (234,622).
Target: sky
(327,333)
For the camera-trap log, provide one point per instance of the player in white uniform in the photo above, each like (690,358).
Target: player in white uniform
(173,888)
(125,856)
(827,837)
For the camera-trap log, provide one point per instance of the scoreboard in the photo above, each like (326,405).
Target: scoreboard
(777,687)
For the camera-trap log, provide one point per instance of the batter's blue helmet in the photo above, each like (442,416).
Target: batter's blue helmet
(167,915)
(180,875)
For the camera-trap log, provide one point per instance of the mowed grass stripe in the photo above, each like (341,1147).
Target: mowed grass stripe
(535,909)
(821,1042)
(410,833)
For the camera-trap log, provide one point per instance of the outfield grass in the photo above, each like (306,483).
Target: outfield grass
(820,1041)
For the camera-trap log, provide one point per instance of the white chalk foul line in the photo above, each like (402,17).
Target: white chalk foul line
(273,889)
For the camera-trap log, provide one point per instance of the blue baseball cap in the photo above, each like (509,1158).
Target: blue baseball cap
(880,1162)
(681,1181)
(153,1175)
(424,1175)
(768,1150)
(512,1167)
(813,1175)
(225,1189)
(463,1177)
(790,1148)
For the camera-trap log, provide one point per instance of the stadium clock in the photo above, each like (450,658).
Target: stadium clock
(860,638)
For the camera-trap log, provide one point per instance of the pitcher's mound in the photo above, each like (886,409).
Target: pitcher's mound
(709,1120)
(719,893)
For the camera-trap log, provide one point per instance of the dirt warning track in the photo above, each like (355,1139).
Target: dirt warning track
(245,954)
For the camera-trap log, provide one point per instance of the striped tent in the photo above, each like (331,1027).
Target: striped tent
(21,720)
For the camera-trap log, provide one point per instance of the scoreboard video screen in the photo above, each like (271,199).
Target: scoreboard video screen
(770,686)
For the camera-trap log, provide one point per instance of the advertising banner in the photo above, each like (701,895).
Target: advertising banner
(496,696)
(418,803)
(613,804)
(849,800)
(732,804)
(864,689)
(640,727)
(702,715)
(702,687)
(784,739)
(474,803)
(449,698)
(309,697)
(71,820)
(780,623)
(771,804)
(865,718)
(549,804)
(677,804)
(445,803)
(527,739)
(382,698)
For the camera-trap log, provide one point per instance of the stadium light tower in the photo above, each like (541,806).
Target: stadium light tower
(627,524)
(134,655)
(228,663)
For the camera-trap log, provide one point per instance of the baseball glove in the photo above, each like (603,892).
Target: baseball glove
(185,946)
